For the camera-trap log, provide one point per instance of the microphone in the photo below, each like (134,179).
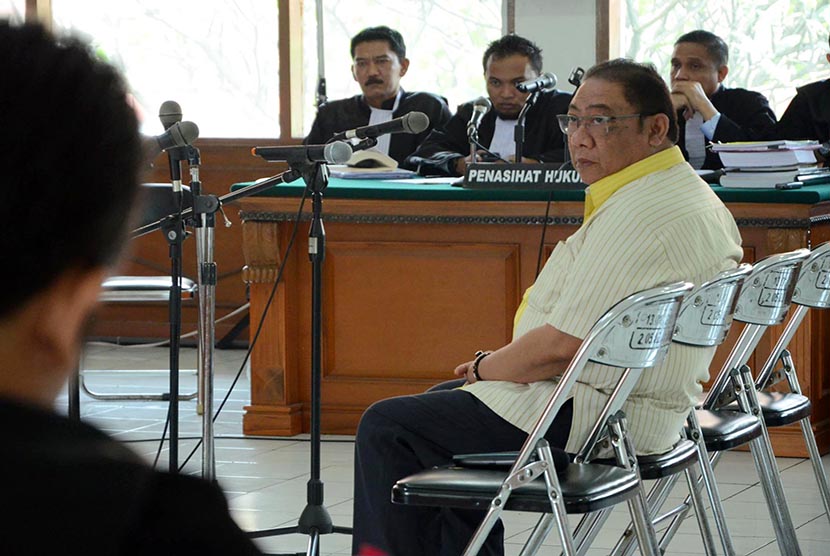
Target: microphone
(169,113)
(178,134)
(336,152)
(481,106)
(414,122)
(576,76)
(542,83)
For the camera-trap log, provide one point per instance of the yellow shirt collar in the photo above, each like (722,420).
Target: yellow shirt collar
(601,190)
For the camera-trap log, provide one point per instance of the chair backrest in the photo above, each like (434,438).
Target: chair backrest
(706,314)
(813,286)
(767,292)
(155,201)
(633,334)
(637,331)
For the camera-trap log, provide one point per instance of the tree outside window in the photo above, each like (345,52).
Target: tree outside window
(774,45)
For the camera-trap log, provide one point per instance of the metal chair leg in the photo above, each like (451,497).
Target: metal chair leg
(815,460)
(588,529)
(764,458)
(707,475)
(637,506)
(700,514)
(540,532)
(807,432)
(130,397)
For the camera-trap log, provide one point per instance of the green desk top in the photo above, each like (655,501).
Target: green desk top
(413,191)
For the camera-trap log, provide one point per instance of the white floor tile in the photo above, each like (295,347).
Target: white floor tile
(265,478)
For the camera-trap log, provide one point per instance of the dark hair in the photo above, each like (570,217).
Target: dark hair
(70,153)
(381,33)
(642,86)
(714,45)
(509,45)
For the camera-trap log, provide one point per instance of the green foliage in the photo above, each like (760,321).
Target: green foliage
(774,45)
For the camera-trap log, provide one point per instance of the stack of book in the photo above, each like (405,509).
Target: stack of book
(767,164)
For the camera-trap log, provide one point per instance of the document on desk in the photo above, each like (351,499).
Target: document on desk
(382,173)
(433,180)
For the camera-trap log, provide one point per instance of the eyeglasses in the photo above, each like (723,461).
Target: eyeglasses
(593,124)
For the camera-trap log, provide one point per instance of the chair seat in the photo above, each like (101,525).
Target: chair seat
(781,408)
(724,429)
(681,456)
(126,289)
(585,488)
(657,466)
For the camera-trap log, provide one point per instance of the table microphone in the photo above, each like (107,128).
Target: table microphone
(481,106)
(544,82)
(336,152)
(414,122)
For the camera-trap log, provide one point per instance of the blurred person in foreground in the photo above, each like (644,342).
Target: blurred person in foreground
(71,489)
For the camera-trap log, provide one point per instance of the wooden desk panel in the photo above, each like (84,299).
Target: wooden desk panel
(412,288)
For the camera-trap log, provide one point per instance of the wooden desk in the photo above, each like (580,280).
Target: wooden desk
(418,277)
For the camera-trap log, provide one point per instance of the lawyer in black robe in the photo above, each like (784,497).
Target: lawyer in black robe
(543,141)
(350,113)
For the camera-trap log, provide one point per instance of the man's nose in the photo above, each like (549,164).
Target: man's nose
(507,91)
(580,137)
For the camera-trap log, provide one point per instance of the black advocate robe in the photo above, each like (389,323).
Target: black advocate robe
(744,116)
(349,113)
(808,115)
(544,140)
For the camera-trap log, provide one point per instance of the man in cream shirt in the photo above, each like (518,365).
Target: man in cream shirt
(648,219)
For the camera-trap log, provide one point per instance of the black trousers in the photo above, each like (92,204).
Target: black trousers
(401,436)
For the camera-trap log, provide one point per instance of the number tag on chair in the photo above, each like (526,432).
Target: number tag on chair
(651,331)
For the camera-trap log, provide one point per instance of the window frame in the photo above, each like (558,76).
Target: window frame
(290,45)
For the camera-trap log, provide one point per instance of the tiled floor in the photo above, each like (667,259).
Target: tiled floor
(265,479)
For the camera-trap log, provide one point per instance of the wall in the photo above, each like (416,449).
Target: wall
(564,29)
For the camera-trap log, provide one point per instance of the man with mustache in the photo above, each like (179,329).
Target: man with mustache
(72,489)
(507,62)
(708,111)
(649,219)
(379,63)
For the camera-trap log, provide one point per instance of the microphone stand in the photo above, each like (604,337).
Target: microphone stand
(202,217)
(315,519)
(174,233)
(519,130)
(204,221)
(472,137)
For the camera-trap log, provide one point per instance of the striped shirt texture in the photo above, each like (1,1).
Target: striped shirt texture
(664,226)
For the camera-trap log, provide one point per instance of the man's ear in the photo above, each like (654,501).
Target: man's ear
(658,129)
(404,66)
(722,73)
(62,312)
(354,74)
(828,58)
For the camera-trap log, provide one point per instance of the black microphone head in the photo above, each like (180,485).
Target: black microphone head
(415,122)
(544,82)
(338,152)
(189,131)
(169,113)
